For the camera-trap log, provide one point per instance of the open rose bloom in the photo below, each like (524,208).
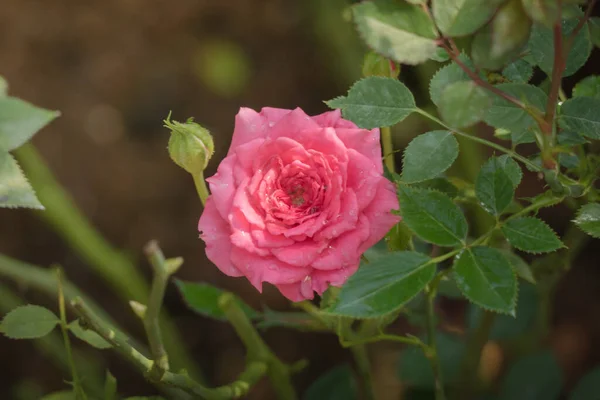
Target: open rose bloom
(296,201)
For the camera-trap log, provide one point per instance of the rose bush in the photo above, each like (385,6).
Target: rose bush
(297,200)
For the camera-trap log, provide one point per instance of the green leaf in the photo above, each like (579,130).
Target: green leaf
(463,17)
(375,101)
(512,169)
(28,322)
(397,30)
(336,384)
(447,75)
(486,278)
(3,87)
(414,368)
(519,71)
(399,237)
(15,190)
(384,285)
(522,269)
(88,336)
(145,398)
(377,65)
(588,387)
(493,187)
(588,87)
(594,25)
(533,377)
(580,114)
(204,299)
(439,184)
(541,45)
(61,395)
(570,138)
(568,161)
(428,155)
(464,104)
(19,121)
(432,216)
(504,114)
(588,219)
(506,327)
(543,11)
(110,387)
(531,234)
(503,38)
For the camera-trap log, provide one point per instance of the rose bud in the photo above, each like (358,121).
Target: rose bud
(190,145)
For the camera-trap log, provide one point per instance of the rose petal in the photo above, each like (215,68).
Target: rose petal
(321,280)
(300,254)
(333,119)
(241,202)
(249,125)
(291,124)
(292,292)
(363,178)
(273,115)
(366,142)
(346,219)
(259,269)
(222,186)
(381,220)
(215,233)
(265,240)
(343,251)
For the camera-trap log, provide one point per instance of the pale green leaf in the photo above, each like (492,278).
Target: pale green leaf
(519,71)
(28,322)
(493,187)
(588,87)
(504,114)
(204,299)
(533,377)
(463,17)
(397,30)
(375,102)
(3,87)
(432,216)
(15,190)
(588,219)
(543,11)
(428,155)
(541,44)
(110,387)
(88,336)
(447,75)
(464,104)
(336,384)
(486,278)
(588,387)
(531,234)
(580,114)
(383,285)
(20,120)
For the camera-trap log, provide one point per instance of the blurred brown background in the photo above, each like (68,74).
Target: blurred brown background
(115,69)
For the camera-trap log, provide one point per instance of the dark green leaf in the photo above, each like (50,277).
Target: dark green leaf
(580,114)
(439,184)
(204,299)
(375,101)
(588,87)
(522,269)
(336,384)
(415,369)
(110,387)
(463,17)
(19,121)
(506,327)
(568,161)
(594,25)
(588,219)
(397,30)
(522,137)
(428,155)
(531,234)
(464,104)
(88,336)
(494,188)
(447,75)
(519,71)
(15,190)
(541,44)
(533,377)
(588,387)
(511,168)
(486,278)
(28,322)
(504,114)
(399,237)
(61,395)
(570,138)
(384,285)
(432,216)
(501,41)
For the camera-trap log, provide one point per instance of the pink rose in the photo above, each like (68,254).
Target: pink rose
(296,201)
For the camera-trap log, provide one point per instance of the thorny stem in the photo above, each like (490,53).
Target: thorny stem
(253,372)
(480,140)
(78,389)
(388,148)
